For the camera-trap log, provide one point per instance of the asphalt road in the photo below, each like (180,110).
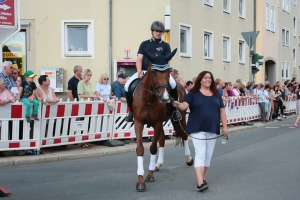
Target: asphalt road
(260,163)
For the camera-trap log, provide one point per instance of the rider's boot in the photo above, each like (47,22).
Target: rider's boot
(176,114)
(129,99)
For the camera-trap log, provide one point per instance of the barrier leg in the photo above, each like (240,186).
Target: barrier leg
(4,192)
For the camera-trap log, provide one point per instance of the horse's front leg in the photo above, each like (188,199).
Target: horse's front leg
(153,150)
(161,150)
(140,185)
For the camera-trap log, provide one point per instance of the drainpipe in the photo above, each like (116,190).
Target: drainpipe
(254,23)
(110,39)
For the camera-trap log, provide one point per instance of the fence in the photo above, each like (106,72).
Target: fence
(67,123)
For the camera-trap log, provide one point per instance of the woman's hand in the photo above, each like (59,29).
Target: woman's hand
(176,104)
(225,132)
(31,98)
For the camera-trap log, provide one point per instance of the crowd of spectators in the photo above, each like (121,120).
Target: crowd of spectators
(271,98)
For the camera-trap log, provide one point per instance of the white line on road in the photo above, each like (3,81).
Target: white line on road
(286,125)
(271,127)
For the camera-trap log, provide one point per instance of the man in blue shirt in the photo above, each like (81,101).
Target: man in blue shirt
(6,75)
(119,90)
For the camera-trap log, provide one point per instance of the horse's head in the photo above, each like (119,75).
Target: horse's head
(159,73)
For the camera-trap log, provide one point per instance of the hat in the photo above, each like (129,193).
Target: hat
(122,76)
(29,74)
(175,71)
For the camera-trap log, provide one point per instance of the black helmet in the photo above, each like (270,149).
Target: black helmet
(157,26)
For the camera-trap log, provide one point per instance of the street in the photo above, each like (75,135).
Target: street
(260,163)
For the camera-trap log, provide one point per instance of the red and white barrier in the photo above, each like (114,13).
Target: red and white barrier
(67,123)
(16,133)
(75,122)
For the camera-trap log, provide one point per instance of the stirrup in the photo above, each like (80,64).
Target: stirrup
(129,117)
(176,116)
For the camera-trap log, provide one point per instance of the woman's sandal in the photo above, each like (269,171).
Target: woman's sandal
(295,125)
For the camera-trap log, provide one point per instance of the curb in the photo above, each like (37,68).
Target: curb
(97,153)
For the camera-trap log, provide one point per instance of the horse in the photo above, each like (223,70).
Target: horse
(152,106)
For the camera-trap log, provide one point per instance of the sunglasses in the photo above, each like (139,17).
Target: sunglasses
(106,79)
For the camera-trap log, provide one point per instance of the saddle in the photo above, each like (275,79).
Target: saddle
(133,85)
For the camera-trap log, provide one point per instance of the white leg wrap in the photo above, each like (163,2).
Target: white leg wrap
(186,148)
(140,163)
(161,152)
(152,162)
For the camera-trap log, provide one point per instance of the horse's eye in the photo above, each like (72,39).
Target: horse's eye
(153,72)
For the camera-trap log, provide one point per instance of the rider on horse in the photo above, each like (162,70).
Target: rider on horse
(155,46)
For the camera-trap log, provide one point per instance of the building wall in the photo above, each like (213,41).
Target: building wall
(201,17)
(131,22)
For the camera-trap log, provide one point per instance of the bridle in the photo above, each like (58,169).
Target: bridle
(154,91)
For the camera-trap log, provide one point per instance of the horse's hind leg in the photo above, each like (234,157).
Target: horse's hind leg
(188,158)
(161,152)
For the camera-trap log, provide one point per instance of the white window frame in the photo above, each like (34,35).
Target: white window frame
(243,52)
(286,5)
(228,49)
(285,36)
(295,26)
(243,15)
(228,10)
(189,43)
(90,38)
(208,2)
(285,70)
(270,17)
(294,58)
(210,44)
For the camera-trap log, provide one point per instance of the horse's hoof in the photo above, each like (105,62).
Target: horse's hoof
(190,163)
(140,187)
(149,179)
(156,169)
(157,166)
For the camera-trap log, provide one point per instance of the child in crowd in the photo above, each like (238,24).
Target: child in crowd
(26,93)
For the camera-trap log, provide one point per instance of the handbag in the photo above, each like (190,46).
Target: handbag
(283,107)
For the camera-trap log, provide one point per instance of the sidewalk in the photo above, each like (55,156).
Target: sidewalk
(73,152)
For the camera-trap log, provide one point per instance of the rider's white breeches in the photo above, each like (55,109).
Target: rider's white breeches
(203,148)
(135,76)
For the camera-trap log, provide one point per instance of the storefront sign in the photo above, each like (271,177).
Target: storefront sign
(7,13)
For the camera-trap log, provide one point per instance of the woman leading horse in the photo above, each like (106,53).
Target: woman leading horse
(152,106)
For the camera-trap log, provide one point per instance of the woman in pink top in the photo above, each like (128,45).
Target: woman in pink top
(229,90)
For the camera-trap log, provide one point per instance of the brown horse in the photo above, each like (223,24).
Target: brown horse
(152,106)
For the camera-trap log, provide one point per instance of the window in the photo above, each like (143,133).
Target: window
(286,5)
(226,49)
(208,2)
(285,37)
(242,9)
(294,27)
(294,58)
(242,51)
(295,2)
(226,6)
(78,38)
(208,45)
(185,40)
(270,17)
(285,70)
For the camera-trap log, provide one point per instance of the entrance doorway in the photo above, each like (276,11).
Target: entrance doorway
(270,71)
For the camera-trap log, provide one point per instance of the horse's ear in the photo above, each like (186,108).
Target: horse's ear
(149,56)
(170,55)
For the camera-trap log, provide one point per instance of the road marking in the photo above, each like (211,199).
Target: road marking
(292,127)
(271,127)
(285,125)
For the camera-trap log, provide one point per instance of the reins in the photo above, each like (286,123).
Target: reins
(221,135)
